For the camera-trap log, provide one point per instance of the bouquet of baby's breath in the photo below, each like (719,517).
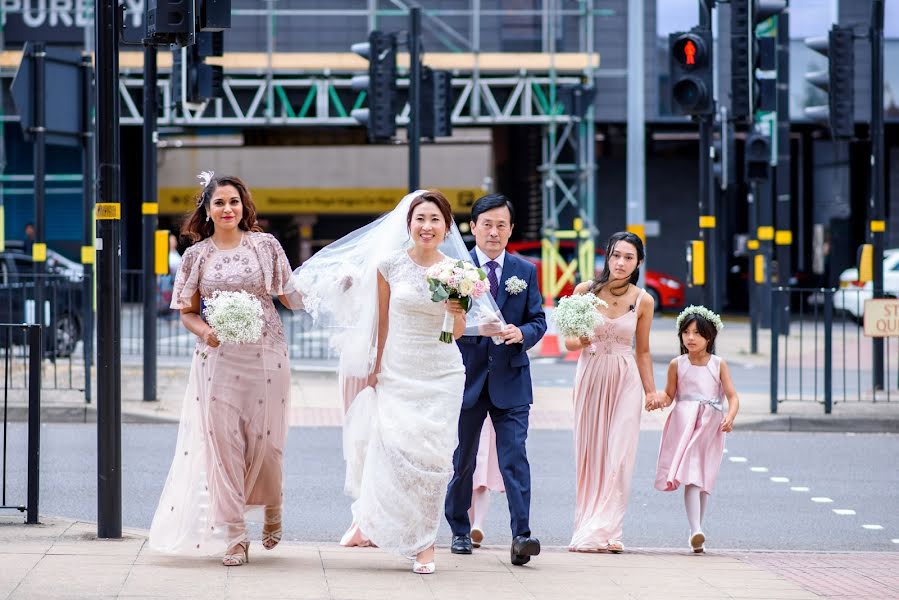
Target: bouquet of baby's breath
(236,317)
(576,316)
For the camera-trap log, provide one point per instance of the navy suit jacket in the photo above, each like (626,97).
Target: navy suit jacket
(508,367)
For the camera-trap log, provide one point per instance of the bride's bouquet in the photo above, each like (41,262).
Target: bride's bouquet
(576,316)
(456,280)
(236,317)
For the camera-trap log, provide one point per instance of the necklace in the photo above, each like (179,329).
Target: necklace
(614,295)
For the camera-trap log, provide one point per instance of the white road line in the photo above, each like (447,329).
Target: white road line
(895,541)
(737,459)
(844,511)
(759,469)
(799,488)
(726,451)
(780,480)
(873,527)
(821,499)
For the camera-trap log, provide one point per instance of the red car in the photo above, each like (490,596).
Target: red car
(667,291)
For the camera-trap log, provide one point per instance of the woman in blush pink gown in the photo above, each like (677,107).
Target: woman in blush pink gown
(487,477)
(230,449)
(609,388)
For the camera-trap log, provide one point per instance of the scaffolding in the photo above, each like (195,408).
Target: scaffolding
(554,91)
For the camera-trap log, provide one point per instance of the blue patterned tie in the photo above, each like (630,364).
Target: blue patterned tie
(492,266)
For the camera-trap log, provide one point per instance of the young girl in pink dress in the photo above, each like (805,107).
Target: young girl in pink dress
(693,439)
(487,478)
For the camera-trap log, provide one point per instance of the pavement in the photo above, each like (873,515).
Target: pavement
(64,559)
(315,401)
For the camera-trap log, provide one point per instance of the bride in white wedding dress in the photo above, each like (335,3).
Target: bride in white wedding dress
(401,430)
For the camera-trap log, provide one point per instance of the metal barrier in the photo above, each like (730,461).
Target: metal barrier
(62,317)
(820,353)
(304,339)
(32,351)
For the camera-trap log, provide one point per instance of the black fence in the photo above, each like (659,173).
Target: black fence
(26,340)
(821,353)
(304,340)
(64,319)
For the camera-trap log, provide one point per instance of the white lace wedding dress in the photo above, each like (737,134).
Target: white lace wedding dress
(400,436)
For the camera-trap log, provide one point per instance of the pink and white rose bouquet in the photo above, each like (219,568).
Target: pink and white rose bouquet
(452,279)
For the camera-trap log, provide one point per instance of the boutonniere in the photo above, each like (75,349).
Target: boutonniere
(515,285)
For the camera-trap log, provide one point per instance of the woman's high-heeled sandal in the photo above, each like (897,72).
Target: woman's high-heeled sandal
(615,546)
(237,559)
(424,568)
(271,538)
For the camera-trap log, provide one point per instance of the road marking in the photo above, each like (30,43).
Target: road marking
(780,479)
(726,451)
(799,488)
(895,541)
(737,459)
(873,527)
(821,500)
(759,469)
(844,511)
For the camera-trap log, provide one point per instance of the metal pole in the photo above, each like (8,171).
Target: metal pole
(828,350)
(877,224)
(87,203)
(150,210)
(35,352)
(752,206)
(109,390)
(783,238)
(706,191)
(775,359)
(636,126)
(414,97)
(39,131)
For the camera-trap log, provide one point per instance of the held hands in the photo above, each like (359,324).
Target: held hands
(657,400)
(727,424)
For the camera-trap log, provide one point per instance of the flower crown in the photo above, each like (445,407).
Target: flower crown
(703,312)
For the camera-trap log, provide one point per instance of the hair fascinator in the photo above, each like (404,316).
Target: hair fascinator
(205,178)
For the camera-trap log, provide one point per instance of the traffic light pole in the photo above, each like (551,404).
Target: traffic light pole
(39,137)
(414,128)
(87,233)
(877,223)
(109,383)
(707,192)
(783,236)
(150,211)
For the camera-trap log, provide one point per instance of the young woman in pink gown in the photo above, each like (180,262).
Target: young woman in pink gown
(609,389)
(230,448)
(693,439)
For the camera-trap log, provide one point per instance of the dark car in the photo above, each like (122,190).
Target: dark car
(63,302)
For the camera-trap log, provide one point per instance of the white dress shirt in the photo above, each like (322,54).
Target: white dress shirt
(484,259)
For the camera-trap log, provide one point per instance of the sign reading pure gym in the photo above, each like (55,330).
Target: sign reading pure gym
(882,317)
(56,21)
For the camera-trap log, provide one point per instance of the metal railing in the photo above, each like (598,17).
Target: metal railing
(32,349)
(820,353)
(304,339)
(62,317)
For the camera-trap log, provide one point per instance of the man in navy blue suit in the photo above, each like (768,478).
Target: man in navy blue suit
(498,380)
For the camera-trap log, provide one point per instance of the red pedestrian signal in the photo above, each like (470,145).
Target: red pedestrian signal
(690,53)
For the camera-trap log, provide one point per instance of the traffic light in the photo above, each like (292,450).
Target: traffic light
(750,54)
(379,85)
(436,103)
(193,81)
(838,81)
(691,72)
(170,21)
(758,157)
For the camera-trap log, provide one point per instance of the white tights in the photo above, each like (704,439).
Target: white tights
(480,504)
(695,502)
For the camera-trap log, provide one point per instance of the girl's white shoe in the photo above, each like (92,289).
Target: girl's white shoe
(424,568)
(697,541)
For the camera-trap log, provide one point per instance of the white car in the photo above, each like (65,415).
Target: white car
(853,293)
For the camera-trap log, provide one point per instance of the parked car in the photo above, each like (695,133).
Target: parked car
(56,262)
(853,292)
(667,291)
(63,301)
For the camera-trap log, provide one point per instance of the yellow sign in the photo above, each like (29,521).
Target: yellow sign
(149,208)
(783,237)
(318,201)
(87,255)
(765,233)
(161,246)
(109,211)
(707,221)
(39,252)
(882,317)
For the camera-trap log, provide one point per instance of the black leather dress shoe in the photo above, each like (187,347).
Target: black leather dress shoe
(523,548)
(461,544)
